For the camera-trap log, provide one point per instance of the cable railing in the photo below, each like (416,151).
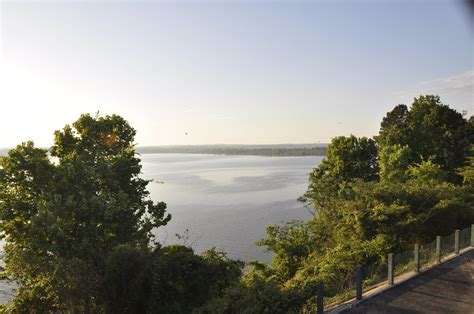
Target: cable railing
(395,268)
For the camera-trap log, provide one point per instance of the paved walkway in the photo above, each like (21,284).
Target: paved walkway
(447,288)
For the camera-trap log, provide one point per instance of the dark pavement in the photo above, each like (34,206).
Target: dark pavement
(448,288)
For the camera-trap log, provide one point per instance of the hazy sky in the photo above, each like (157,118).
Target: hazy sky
(229,71)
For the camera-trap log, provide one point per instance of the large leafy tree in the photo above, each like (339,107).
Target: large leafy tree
(64,210)
(430,129)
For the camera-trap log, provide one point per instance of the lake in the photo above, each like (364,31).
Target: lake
(227,201)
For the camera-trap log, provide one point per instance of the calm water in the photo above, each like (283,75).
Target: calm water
(227,201)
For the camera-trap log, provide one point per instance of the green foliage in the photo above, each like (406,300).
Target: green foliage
(394,162)
(394,126)
(431,130)
(128,281)
(61,217)
(183,281)
(171,279)
(257,293)
(350,158)
(427,171)
(291,244)
(371,199)
(467,172)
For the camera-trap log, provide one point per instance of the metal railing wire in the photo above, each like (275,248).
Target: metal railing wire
(428,254)
(447,244)
(403,262)
(375,274)
(344,291)
(465,238)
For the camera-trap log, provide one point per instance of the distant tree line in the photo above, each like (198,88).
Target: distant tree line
(234,150)
(78,227)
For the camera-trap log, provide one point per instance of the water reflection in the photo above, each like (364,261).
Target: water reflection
(227,201)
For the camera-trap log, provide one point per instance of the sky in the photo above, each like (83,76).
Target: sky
(233,72)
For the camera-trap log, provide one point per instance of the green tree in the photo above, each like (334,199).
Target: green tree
(468,170)
(63,212)
(348,158)
(394,162)
(431,130)
(183,280)
(258,292)
(128,278)
(172,279)
(393,126)
(351,158)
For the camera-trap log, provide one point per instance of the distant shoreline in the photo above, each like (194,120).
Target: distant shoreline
(253,150)
(276,150)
